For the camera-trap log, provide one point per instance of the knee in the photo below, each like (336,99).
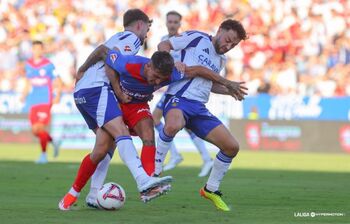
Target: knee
(171,128)
(232,149)
(148,137)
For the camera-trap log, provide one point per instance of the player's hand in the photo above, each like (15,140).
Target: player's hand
(124,98)
(180,66)
(237,89)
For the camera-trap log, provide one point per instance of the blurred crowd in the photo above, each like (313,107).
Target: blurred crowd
(294,46)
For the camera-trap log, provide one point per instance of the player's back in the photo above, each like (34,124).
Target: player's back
(127,42)
(40,75)
(196,48)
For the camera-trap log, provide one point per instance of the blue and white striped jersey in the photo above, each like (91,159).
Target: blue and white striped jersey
(196,48)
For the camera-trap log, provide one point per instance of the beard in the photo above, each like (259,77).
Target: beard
(217,47)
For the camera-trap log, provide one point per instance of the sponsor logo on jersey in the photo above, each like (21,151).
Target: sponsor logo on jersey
(113,57)
(39,81)
(127,48)
(208,63)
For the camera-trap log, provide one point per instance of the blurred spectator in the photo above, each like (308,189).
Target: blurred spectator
(299,47)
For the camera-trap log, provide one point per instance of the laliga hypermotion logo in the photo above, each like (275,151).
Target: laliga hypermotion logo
(344,138)
(252,133)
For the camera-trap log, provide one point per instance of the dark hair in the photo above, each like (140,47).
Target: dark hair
(163,62)
(37,42)
(235,25)
(133,15)
(174,13)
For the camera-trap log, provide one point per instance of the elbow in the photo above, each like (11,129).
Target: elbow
(102,51)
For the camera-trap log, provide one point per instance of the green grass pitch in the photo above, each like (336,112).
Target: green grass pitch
(261,187)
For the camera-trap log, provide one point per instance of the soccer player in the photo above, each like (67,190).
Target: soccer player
(137,79)
(38,91)
(173,23)
(96,102)
(184,103)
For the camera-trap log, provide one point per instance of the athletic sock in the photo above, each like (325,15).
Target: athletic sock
(44,138)
(200,145)
(100,174)
(147,158)
(221,164)
(163,144)
(86,169)
(128,154)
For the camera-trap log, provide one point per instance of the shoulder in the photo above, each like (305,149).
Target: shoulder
(196,33)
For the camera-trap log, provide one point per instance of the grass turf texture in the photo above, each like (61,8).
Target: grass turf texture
(261,187)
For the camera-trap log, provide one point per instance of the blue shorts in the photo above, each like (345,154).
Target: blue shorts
(198,118)
(160,104)
(98,105)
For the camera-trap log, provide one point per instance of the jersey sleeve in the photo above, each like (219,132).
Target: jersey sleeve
(176,75)
(186,39)
(127,44)
(116,60)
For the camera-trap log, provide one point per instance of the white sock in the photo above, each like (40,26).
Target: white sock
(221,164)
(74,192)
(128,154)
(173,151)
(99,175)
(200,145)
(163,144)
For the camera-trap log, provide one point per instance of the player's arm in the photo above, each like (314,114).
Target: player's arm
(99,54)
(114,64)
(223,90)
(26,89)
(236,89)
(114,79)
(57,85)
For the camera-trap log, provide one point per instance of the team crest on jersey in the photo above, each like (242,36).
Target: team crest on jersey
(42,72)
(113,57)
(127,48)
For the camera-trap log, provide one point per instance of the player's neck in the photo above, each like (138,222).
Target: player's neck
(131,29)
(37,60)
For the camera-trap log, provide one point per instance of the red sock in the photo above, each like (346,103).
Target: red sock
(148,154)
(86,169)
(44,138)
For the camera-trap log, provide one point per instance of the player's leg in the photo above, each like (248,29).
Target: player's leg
(174,122)
(144,129)
(202,149)
(87,168)
(99,176)
(210,128)
(39,116)
(149,187)
(175,156)
(229,147)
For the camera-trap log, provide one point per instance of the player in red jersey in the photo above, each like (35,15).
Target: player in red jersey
(38,91)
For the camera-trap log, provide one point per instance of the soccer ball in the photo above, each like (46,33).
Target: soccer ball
(111,196)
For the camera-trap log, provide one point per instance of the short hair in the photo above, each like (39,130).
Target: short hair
(163,62)
(37,42)
(235,25)
(133,15)
(173,12)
